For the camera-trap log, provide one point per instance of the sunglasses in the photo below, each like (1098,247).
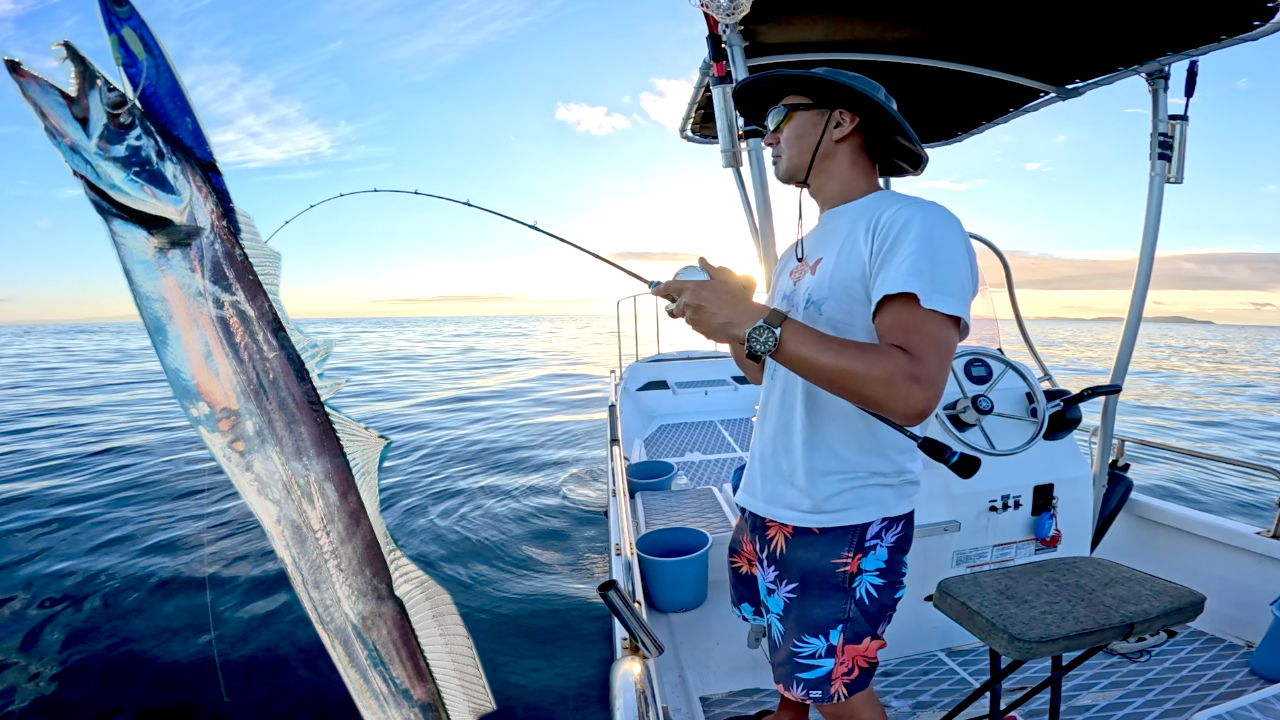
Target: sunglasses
(778,115)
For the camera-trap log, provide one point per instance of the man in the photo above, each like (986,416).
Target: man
(866,311)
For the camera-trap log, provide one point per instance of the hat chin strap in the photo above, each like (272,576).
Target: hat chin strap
(799,251)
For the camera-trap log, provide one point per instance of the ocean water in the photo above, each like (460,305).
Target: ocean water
(121,542)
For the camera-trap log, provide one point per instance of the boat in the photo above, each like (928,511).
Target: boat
(957,70)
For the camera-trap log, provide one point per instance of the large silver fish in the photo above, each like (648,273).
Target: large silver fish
(249,382)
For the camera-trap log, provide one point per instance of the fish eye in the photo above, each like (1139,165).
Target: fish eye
(114,100)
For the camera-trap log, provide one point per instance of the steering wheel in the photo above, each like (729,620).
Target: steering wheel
(974,419)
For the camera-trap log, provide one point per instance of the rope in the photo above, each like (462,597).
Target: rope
(465,203)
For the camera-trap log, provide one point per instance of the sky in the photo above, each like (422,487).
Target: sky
(564,112)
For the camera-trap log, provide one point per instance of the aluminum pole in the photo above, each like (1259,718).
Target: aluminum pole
(755,159)
(1161,145)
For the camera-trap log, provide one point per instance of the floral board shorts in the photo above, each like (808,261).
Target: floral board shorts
(824,595)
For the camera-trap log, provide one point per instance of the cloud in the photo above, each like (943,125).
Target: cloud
(1222,271)
(1242,83)
(943,185)
(654,257)
(435,34)
(1139,110)
(250,125)
(453,299)
(1264,306)
(667,106)
(1060,139)
(1272,188)
(1034,166)
(10,9)
(595,119)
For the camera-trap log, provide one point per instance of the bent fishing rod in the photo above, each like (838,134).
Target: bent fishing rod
(963,465)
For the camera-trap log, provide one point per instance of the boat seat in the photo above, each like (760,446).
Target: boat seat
(1049,608)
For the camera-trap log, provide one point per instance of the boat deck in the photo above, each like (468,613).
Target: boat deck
(708,673)
(1193,672)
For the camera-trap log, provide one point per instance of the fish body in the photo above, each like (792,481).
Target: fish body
(249,382)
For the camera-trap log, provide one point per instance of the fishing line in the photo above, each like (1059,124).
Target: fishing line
(208,596)
(962,464)
(467,203)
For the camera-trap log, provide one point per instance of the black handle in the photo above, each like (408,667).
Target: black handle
(1090,393)
(963,465)
(1193,72)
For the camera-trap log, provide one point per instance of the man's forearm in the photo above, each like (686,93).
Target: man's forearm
(885,379)
(754,371)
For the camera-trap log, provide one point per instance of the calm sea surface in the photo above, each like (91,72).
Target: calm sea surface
(120,539)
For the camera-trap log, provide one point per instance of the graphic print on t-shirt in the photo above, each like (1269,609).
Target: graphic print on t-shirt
(798,272)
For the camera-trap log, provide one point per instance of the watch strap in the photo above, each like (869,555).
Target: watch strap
(775,318)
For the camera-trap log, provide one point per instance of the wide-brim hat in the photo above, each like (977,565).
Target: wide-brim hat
(891,142)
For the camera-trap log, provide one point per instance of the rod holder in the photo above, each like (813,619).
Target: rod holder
(624,609)
(1178,125)
(726,122)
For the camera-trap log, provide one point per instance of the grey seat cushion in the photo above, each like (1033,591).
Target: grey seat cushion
(1063,605)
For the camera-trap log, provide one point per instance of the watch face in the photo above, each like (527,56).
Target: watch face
(762,339)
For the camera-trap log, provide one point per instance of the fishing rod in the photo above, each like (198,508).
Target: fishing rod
(963,465)
(651,284)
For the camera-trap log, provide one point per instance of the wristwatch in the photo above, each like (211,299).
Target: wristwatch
(762,338)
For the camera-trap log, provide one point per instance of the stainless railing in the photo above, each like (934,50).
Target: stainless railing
(1045,375)
(633,689)
(1118,454)
(635,327)
(635,320)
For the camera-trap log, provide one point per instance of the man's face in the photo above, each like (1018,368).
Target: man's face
(793,143)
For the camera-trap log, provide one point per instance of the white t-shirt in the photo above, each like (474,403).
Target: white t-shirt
(817,460)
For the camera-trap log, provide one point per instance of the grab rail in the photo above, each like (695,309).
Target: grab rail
(1046,376)
(633,689)
(635,325)
(1121,440)
(620,502)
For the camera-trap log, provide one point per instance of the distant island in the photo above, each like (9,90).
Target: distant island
(1153,319)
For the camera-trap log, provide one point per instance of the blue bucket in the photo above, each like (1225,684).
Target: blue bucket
(650,475)
(1265,662)
(673,567)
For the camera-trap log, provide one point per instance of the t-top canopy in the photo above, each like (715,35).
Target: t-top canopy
(957,69)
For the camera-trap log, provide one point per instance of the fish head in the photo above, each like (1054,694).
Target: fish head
(105,137)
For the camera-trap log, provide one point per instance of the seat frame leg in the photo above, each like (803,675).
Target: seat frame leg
(1055,689)
(1060,671)
(995,690)
(992,682)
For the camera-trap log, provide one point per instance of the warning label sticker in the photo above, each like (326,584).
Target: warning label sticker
(1007,553)
(961,558)
(989,565)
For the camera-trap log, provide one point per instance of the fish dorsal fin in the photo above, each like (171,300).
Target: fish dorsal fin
(442,636)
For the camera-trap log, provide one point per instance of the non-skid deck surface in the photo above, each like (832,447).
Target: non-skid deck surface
(1192,672)
(697,508)
(1261,705)
(706,451)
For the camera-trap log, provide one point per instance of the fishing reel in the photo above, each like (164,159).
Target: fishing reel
(688,272)
(976,421)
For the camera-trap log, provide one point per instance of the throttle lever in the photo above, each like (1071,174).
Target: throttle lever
(1090,393)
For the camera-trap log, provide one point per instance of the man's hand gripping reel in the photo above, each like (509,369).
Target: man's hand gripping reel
(688,272)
